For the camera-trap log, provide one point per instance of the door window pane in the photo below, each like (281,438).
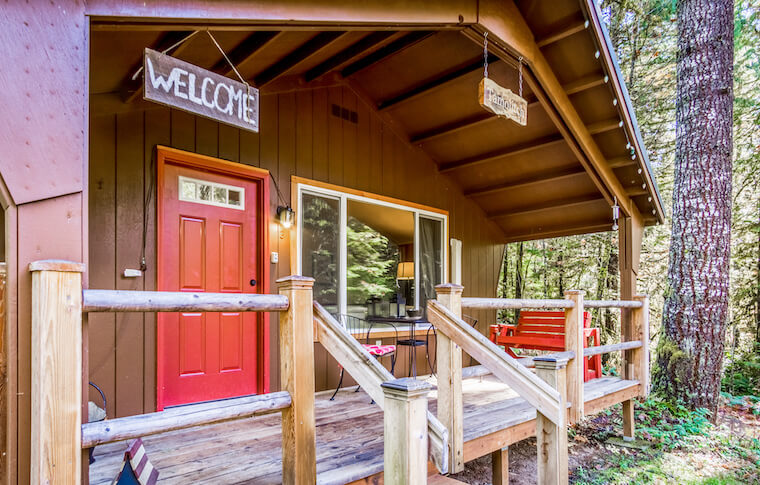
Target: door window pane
(431,256)
(320,235)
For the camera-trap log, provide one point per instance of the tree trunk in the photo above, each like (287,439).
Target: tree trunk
(518,277)
(690,352)
(757,286)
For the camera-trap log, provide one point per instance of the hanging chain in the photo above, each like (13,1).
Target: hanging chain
(485,55)
(519,70)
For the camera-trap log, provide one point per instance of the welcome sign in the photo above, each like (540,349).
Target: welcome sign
(502,101)
(179,84)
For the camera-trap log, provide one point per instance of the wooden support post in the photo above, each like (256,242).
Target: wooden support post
(56,372)
(641,355)
(406,431)
(574,343)
(551,439)
(500,466)
(299,447)
(449,378)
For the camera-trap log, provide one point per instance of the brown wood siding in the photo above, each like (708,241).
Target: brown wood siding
(299,136)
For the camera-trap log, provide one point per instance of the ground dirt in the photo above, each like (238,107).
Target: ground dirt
(726,452)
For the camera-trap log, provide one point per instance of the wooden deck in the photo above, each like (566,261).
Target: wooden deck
(349,437)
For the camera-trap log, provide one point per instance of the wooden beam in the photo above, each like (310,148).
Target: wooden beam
(550,206)
(299,445)
(500,466)
(636,190)
(562,33)
(503,153)
(405,431)
(556,176)
(449,368)
(244,51)
(291,60)
(574,338)
(56,382)
(347,54)
(459,125)
(640,356)
(620,162)
(604,126)
(387,51)
(583,84)
(551,435)
(131,89)
(435,83)
(545,233)
(181,417)
(178,301)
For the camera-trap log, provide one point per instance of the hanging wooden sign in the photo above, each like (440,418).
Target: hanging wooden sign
(502,101)
(179,84)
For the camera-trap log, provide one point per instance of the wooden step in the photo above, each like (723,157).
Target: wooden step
(442,480)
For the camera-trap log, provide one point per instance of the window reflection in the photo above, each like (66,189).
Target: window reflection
(320,252)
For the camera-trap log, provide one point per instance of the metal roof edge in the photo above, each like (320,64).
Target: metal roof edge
(600,30)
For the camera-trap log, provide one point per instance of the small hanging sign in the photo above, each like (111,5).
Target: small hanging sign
(502,101)
(179,84)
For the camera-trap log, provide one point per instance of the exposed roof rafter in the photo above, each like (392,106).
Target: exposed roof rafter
(568,29)
(347,54)
(244,51)
(550,206)
(505,152)
(557,176)
(384,52)
(295,57)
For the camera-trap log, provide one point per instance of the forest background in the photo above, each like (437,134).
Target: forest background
(644,34)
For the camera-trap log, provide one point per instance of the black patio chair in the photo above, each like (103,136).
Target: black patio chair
(472,321)
(361,329)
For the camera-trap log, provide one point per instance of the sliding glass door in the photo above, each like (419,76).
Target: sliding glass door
(369,257)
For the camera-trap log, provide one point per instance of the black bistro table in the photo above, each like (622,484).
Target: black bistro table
(411,342)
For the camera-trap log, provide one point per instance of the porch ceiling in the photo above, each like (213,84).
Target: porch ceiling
(424,84)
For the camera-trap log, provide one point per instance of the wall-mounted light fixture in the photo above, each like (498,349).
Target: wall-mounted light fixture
(285,215)
(615,215)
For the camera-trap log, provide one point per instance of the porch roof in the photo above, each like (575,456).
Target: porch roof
(533,182)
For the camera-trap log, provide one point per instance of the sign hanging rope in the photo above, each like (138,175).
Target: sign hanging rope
(500,100)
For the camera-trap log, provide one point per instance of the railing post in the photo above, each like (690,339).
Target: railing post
(641,332)
(574,342)
(56,372)
(449,378)
(299,448)
(406,437)
(551,439)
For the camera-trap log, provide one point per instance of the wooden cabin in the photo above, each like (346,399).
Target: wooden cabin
(370,142)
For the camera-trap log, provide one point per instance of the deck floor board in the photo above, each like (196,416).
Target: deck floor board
(349,438)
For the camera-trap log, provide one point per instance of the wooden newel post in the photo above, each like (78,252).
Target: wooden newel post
(641,355)
(299,447)
(449,376)
(574,342)
(406,437)
(56,372)
(551,439)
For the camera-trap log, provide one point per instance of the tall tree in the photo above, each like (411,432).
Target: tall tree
(690,352)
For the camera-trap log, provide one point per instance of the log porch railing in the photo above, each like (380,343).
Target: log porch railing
(558,382)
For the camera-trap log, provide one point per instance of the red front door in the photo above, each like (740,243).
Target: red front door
(208,242)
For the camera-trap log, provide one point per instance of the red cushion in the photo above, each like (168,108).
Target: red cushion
(379,350)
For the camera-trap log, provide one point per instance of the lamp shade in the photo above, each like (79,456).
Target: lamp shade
(405,271)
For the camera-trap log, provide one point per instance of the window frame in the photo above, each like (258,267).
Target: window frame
(343,195)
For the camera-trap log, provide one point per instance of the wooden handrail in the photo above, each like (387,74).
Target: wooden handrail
(102,432)
(179,301)
(531,388)
(370,375)
(612,304)
(509,303)
(605,349)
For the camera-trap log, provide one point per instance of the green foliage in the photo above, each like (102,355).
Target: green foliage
(372,261)
(743,376)
(669,424)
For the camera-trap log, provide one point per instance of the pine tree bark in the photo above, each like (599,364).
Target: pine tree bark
(690,353)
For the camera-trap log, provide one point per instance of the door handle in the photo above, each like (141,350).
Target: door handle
(253,282)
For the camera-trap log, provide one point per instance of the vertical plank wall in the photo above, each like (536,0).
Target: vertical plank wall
(299,136)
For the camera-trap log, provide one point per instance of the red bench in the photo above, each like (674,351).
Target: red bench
(542,330)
